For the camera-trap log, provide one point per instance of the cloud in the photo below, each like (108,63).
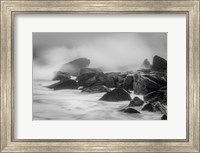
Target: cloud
(105,50)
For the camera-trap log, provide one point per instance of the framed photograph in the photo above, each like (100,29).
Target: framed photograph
(99,76)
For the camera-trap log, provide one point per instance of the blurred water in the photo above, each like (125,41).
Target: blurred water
(74,105)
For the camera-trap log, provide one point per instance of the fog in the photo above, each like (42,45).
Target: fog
(108,51)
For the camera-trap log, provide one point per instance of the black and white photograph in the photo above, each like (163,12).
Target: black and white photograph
(99,76)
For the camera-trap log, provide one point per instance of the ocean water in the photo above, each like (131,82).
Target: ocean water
(75,105)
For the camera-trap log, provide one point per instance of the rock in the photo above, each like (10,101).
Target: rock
(130,110)
(159,64)
(102,79)
(151,97)
(61,75)
(83,78)
(95,79)
(110,83)
(90,70)
(117,77)
(128,82)
(164,117)
(161,108)
(118,94)
(64,84)
(91,81)
(120,81)
(159,95)
(159,79)
(143,85)
(162,96)
(96,89)
(149,107)
(113,75)
(74,66)
(146,64)
(136,102)
(163,88)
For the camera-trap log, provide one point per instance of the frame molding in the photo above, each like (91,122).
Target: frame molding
(10,7)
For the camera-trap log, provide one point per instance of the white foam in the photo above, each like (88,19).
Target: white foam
(75,105)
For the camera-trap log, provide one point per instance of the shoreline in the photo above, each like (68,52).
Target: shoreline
(61,105)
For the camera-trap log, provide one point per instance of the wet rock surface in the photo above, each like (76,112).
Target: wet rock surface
(136,102)
(64,84)
(128,82)
(164,117)
(159,64)
(95,79)
(118,94)
(149,107)
(130,110)
(146,83)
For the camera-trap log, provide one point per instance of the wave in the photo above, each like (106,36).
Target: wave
(75,105)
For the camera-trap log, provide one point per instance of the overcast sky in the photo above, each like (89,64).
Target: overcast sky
(103,49)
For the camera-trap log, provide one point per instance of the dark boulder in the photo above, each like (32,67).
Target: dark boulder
(120,81)
(159,95)
(164,117)
(161,108)
(74,66)
(128,82)
(136,102)
(151,97)
(143,85)
(146,64)
(113,75)
(117,77)
(83,78)
(61,75)
(96,89)
(159,79)
(149,107)
(163,88)
(95,79)
(118,94)
(64,84)
(90,82)
(159,64)
(102,79)
(89,70)
(130,110)
(162,96)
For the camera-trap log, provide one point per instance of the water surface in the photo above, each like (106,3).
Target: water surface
(75,105)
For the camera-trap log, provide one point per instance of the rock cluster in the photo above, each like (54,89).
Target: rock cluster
(94,77)
(150,82)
